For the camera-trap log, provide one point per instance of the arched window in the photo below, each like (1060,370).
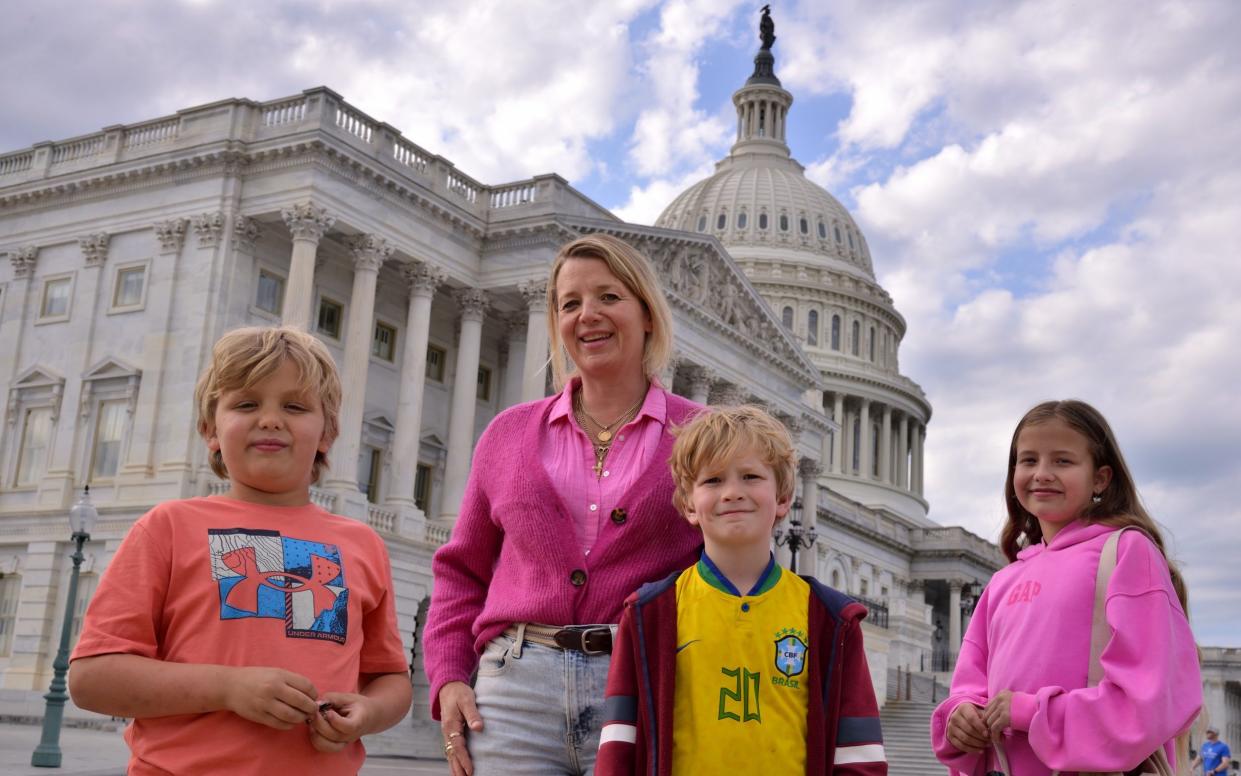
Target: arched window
(786,318)
(822,230)
(835,332)
(702,223)
(836,228)
(872,343)
(762,221)
(836,578)
(850,239)
(812,330)
(741,220)
(804,225)
(784,223)
(857,338)
(722,221)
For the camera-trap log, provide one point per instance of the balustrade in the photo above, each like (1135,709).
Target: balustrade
(148,134)
(285,112)
(354,124)
(462,187)
(16,163)
(410,155)
(67,152)
(508,196)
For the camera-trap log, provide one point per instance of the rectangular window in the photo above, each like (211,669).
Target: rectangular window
(368,472)
(435,363)
(109,428)
(10,593)
(32,457)
(270,294)
(383,345)
(55,298)
(129,283)
(484,384)
(330,314)
(422,487)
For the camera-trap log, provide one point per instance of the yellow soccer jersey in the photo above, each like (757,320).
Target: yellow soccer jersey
(742,669)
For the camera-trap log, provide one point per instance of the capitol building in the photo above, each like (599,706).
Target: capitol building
(127,252)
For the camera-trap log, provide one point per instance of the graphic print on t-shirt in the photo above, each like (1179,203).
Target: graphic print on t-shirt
(264,574)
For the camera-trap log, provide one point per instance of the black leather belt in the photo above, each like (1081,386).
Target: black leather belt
(595,640)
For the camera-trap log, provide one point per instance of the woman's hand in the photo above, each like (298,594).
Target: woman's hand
(457,711)
(998,714)
(966,729)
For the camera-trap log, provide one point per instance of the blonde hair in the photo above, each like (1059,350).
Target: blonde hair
(244,357)
(722,433)
(638,276)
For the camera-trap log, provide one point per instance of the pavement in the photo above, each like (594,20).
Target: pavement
(96,752)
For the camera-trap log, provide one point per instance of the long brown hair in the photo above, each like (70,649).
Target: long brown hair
(1118,505)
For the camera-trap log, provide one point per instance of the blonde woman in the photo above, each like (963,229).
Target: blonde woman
(567,511)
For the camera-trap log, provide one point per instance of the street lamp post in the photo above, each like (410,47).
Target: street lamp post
(796,536)
(47,753)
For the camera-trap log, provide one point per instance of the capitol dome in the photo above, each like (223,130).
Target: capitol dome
(805,255)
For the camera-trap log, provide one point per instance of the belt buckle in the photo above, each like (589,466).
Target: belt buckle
(601,633)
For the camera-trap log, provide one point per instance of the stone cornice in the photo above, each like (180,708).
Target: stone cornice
(854,379)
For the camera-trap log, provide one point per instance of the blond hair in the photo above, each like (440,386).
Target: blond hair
(244,357)
(638,276)
(722,433)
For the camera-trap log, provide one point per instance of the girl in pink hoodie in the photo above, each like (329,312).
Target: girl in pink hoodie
(1021,676)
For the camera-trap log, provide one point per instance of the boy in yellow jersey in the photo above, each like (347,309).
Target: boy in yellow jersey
(735,665)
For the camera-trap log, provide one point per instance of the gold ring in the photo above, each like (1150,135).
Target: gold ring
(453,735)
(448,750)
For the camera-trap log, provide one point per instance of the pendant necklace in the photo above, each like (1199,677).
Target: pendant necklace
(605,432)
(604,436)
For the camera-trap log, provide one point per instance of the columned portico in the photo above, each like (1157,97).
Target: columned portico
(307,223)
(474,304)
(369,253)
(423,279)
(534,369)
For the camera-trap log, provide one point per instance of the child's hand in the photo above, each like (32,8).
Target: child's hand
(270,696)
(966,729)
(998,714)
(344,721)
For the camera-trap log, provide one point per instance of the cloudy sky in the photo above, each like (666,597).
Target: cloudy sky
(1051,189)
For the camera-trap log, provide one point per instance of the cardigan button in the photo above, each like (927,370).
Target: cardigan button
(619,516)
(578,577)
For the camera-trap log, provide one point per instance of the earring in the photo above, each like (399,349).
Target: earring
(1096,498)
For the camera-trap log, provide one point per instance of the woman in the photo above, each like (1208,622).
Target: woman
(567,511)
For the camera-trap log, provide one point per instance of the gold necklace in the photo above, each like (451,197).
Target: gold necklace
(605,432)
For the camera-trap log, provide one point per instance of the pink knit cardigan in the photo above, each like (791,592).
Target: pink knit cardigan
(513,557)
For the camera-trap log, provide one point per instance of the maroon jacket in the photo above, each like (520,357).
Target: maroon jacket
(843,737)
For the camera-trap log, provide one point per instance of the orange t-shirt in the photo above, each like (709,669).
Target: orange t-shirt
(227,582)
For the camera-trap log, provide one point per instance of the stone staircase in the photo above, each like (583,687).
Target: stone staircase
(907,739)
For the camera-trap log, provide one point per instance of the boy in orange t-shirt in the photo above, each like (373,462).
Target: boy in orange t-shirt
(252,632)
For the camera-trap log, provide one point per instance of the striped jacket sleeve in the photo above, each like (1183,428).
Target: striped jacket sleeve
(618,738)
(859,738)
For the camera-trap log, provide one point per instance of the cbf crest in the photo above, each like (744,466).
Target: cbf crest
(791,652)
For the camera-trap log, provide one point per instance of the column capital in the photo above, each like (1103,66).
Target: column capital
(701,378)
(307,221)
(535,293)
(94,248)
(955,586)
(474,303)
(423,278)
(514,325)
(171,234)
(23,260)
(728,394)
(246,231)
(809,468)
(370,251)
(208,227)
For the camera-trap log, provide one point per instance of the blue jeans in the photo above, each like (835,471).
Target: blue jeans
(542,709)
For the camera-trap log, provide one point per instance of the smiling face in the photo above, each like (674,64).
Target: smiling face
(602,323)
(268,435)
(1054,476)
(735,502)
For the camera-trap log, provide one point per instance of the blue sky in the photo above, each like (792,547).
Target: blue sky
(1051,190)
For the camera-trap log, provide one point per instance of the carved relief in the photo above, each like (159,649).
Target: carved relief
(246,231)
(24,260)
(370,251)
(307,221)
(209,227)
(423,278)
(474,303)
(94,248)
(535,294)
(171,234)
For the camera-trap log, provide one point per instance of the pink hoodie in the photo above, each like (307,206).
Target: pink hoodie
(1030,633)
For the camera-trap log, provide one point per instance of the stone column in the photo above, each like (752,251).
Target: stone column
(954,621)
(464,392)
(918,441)
(422,279)
(847,443)
(534,370)
(516,326)
(700,379)
(308,223)
(15,314)
(809,470)
(885,445)
(902,452)
(838,414)
(668,376)
(369,253)
(864,462)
